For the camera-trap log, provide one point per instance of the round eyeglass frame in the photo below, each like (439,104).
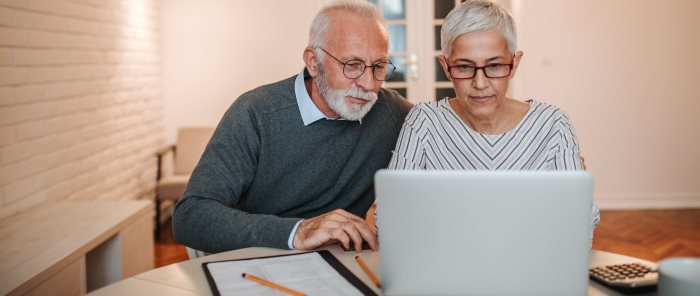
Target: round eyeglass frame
(388,63)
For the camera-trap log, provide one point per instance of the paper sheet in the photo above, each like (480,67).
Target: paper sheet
(308,273)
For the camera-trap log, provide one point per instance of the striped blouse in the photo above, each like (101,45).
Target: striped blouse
(433,137)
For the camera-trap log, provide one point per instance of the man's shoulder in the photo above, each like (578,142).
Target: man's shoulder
(395,102)
(269,97)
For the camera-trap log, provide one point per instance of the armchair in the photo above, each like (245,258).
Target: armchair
(175,165)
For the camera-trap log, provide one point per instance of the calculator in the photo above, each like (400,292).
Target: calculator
(626,277)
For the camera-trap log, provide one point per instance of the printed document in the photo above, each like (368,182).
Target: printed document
(308,273)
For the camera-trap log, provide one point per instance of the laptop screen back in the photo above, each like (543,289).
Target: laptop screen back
(484,232)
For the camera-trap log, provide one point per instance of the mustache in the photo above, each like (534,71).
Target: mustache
(357,92)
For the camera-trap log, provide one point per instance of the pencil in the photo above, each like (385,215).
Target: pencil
(271,284)
(369,272)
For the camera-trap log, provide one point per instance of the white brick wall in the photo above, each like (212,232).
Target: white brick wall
(81,109)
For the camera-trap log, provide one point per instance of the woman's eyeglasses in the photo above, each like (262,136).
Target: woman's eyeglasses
(490,71)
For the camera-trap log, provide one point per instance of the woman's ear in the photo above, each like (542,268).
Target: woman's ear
(516,61)
(443,63)
(311,61)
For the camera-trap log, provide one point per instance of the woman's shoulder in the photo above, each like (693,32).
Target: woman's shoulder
(547,113)
(544,108)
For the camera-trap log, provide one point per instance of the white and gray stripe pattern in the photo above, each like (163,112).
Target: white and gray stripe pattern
(433,137)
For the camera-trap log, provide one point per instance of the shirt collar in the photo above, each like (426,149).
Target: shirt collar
(309,112)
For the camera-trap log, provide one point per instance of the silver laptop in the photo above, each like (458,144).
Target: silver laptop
(484,232)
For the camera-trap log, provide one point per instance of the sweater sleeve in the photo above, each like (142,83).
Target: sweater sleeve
(209,217)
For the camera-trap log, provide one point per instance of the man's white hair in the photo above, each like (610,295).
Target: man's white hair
(322,22)
(477,15)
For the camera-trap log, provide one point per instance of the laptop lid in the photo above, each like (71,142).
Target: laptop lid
(484,232)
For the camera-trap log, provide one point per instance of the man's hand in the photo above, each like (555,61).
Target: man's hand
(336,226)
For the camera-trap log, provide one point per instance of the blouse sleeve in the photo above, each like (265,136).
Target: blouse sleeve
(566,152)
(567,157)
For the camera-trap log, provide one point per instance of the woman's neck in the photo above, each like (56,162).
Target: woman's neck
(503,119)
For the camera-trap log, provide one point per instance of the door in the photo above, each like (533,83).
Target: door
(414,45)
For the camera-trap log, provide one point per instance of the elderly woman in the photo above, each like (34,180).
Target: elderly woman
(482,128)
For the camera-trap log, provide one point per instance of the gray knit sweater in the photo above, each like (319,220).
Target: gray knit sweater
(263,170)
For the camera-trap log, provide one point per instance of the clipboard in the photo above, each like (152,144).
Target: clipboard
(326,255)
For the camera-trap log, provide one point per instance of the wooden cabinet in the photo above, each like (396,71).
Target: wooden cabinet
(67,281)
(71,248)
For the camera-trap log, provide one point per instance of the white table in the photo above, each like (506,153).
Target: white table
(187,278)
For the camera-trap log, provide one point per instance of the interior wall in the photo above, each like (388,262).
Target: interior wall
(80,101)
(215,50)
(626,73)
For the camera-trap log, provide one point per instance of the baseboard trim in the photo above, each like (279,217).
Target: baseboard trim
(629,202)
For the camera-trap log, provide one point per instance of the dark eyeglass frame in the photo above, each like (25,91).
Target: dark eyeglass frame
(374,67)
(476,70)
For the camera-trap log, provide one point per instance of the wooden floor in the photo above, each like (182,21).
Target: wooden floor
(167,251)
(650,234)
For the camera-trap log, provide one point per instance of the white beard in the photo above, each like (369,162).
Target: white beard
(336,98)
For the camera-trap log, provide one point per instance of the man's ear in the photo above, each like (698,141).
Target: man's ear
(443,63)
(311,61)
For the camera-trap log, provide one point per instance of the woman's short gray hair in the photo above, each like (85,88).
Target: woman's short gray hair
(322,22)
(477,15)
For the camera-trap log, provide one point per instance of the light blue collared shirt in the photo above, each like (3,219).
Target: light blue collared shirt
(309,112)
(290,241)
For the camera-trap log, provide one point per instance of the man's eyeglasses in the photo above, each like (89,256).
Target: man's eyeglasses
(490,71)
(354,68)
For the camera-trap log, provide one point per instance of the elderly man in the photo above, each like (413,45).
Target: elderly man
(291,164)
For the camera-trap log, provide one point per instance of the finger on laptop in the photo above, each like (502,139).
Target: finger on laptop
(367,233)
(342,237)
(338,225)
(321,230)
(356,228)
